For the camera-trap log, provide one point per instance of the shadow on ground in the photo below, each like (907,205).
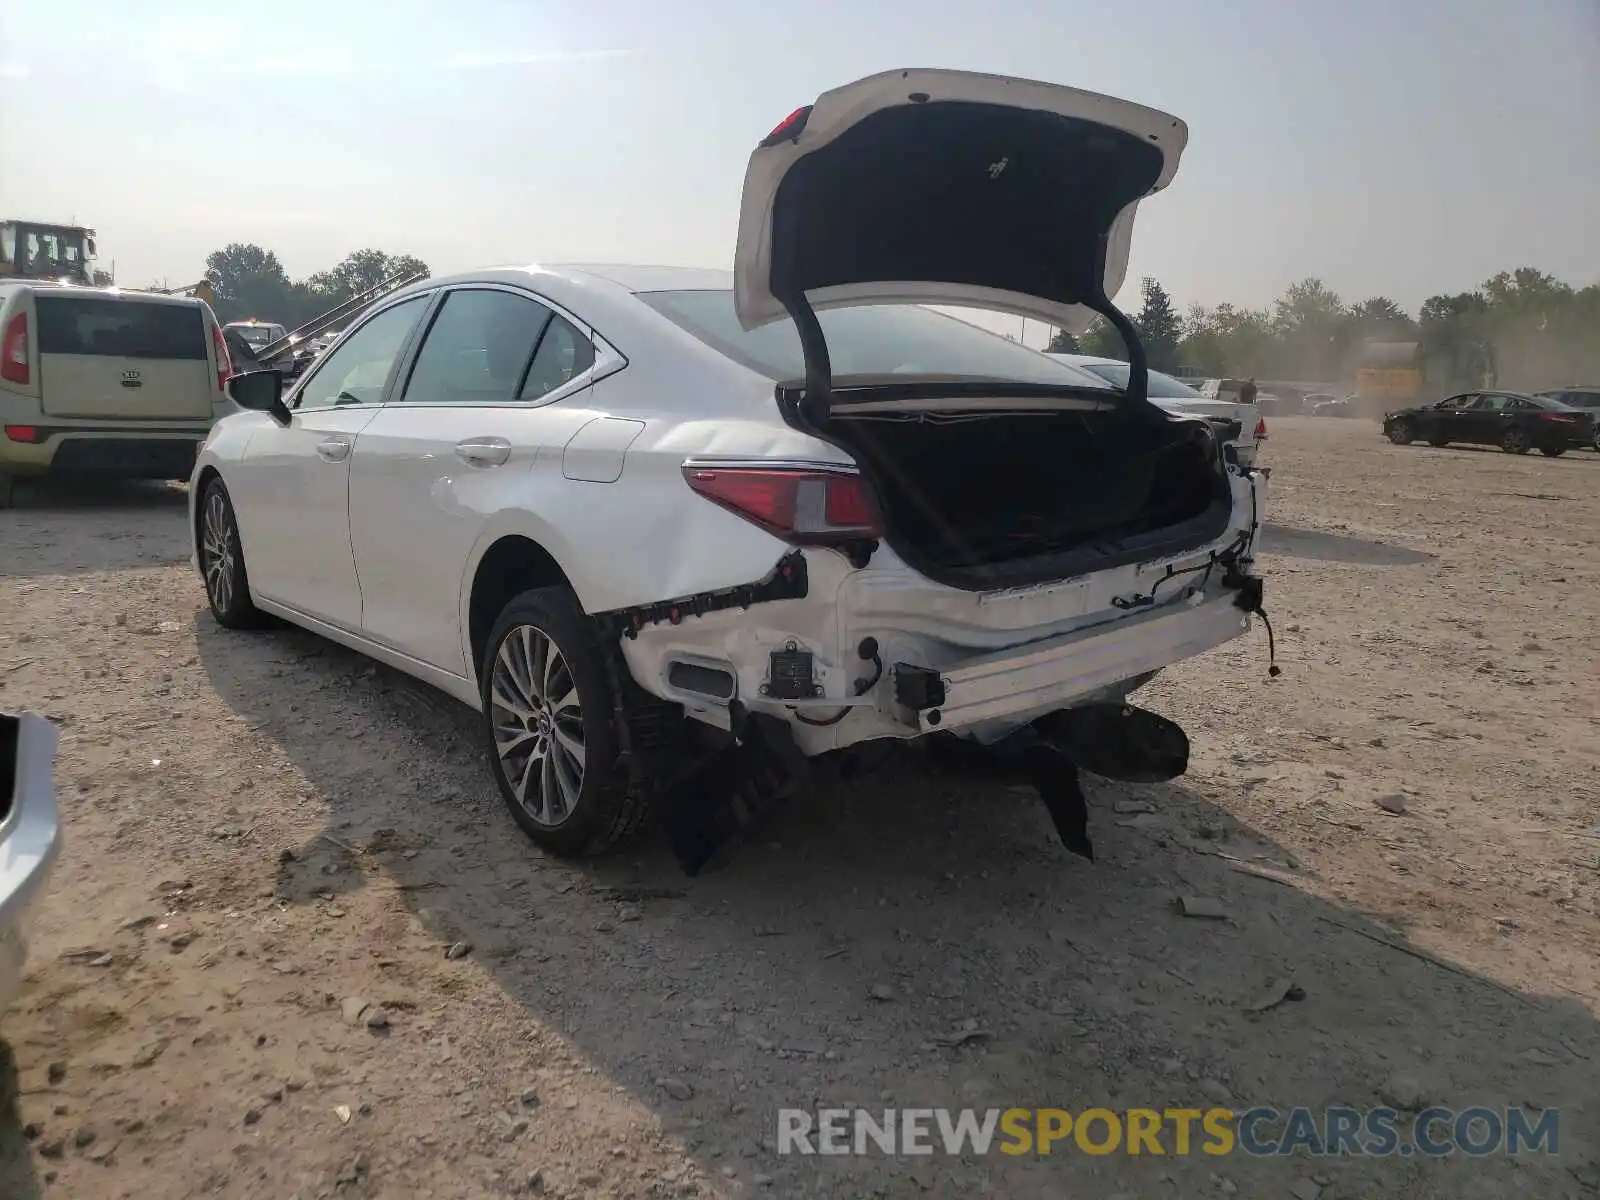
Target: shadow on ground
(17,1178)
(909,939)
(1334,547)
(89,492)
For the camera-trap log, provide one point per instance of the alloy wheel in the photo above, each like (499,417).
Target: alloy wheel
(216,550)
(1516,442)
(537,717)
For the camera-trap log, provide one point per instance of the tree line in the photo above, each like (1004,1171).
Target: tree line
(1523,328)
(249,281)
(1520,329)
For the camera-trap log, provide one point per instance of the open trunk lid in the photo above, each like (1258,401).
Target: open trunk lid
(123,357)
(947,187)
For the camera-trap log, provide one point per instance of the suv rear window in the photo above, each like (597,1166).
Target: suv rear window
(119,328)
(877,339)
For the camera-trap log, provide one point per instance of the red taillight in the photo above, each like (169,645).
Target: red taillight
(790,127)
(1261,429)
(22,433)
(224,359)
(14,351)
(1566,418)
(801,505)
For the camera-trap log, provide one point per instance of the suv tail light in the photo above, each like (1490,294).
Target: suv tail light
(1261,429)
(803,505)
(224,359)
(14,351)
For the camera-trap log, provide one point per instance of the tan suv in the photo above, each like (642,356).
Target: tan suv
(105,382)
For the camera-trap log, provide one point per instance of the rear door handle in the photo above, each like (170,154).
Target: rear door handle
(334,449)
(484,452)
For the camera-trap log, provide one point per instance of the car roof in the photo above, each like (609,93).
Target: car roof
(45,288)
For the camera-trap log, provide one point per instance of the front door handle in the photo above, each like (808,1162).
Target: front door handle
(484,452)
(334,449)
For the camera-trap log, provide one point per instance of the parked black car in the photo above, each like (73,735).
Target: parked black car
(1586,398)
(1515,422)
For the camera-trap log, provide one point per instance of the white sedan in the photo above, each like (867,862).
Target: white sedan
(789,508)
(30,835)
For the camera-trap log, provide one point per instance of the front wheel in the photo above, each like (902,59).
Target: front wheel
(1514,441)
(1552,451)
(221,557)
(1401,433)
(549,727)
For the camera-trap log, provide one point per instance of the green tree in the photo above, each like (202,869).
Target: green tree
(1228,341)
(360,272)
(1063,341)
(248,281)
(1313,329)
(1101,340)
(1380,317)
(1160,328)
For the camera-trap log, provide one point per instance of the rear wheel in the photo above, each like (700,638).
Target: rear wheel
(1552,451)
(222,562)
(549,726)
(1514,441)
(1401,433)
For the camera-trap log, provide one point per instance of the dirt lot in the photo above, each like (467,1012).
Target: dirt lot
(262,828)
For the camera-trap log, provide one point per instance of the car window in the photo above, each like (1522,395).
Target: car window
(477,349)
(356,371)
(1160,386)
(564,353)
(876,339)
(1457,402)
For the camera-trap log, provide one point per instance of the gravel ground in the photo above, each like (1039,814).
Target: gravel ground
(269,840)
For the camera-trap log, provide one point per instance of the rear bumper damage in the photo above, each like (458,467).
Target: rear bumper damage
(1056,672)
(823,655)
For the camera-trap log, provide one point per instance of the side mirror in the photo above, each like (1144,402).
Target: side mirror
(260,391)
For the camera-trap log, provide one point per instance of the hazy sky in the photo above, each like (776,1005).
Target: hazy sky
(1391,148)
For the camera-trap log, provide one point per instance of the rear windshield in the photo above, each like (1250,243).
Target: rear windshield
(119,328)
(1162,387)
(880,339)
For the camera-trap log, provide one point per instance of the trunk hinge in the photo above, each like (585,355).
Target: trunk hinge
(1138,362)
(813,406)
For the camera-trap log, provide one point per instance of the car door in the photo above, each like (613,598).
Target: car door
(291,492)
(1446,421)
(1492,415)
(479,402)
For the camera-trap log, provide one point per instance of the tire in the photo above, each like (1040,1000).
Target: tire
(1552,451)
(222,562)
(565,806)
(1400,433)
(1514,441)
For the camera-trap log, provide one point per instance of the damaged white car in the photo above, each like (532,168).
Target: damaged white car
(676,533)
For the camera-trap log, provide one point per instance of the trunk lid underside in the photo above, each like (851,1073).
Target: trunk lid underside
(949,188)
